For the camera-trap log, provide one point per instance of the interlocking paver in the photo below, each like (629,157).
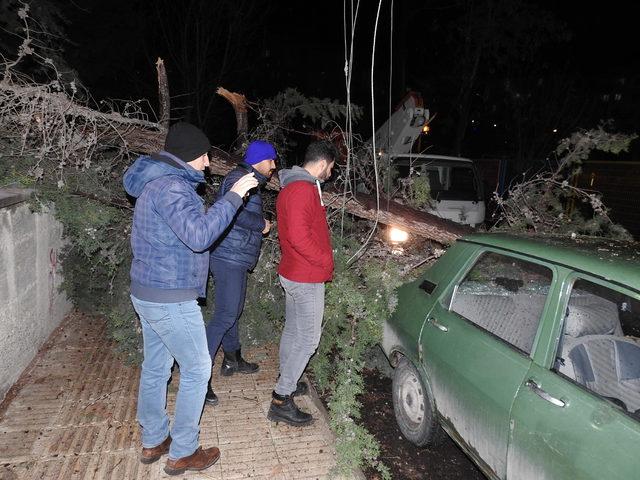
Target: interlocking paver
(73,416)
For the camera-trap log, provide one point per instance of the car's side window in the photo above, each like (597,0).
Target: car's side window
(599,347)
(505,296)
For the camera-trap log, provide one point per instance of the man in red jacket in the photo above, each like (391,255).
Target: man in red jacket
(305,266)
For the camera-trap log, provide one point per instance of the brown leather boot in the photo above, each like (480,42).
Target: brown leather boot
(150,455)
(198,460)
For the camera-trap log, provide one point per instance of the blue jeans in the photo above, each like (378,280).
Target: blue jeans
(172,331)
(231,289)
(304,309)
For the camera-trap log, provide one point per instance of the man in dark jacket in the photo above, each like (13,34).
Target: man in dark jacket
(170,238)
(305,266)
(234,254)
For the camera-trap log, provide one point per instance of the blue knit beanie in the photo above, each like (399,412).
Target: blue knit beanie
(258,151)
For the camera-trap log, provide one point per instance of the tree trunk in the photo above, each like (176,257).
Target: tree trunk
(164,113)
(413,221)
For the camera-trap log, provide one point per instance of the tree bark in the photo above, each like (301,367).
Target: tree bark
(165,100)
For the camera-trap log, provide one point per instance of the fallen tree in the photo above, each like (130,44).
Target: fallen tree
(53,123)
(361,205)
(364,206)
(28,112)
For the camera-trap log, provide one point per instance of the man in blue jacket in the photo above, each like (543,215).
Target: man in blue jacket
(170,238)
(234,254)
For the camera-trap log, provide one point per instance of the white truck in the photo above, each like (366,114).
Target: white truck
(455,186)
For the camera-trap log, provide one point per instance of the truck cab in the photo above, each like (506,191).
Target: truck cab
(455,187)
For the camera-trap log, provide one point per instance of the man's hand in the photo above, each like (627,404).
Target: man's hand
(267,226)
(246,183)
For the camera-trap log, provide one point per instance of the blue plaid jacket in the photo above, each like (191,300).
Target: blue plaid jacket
(171,231)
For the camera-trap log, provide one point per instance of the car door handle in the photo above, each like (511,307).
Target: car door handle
(544,395)
(439,326)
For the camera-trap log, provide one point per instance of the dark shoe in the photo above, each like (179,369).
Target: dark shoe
(284,409)
(211,398)
(233,362)
(301,389)
(198,460)
(153,454)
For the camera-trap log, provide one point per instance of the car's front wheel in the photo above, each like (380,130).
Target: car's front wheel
(412,406)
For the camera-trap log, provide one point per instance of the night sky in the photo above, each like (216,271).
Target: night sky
(591,53)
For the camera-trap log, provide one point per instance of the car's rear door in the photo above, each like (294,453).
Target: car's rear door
(585,437)
(578,417)
(475,348)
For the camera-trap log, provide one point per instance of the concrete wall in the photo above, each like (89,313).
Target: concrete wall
(31,306)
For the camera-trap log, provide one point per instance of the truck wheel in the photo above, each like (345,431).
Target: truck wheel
(412,407)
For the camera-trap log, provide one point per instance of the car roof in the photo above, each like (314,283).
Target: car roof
(613,260)
(425,156)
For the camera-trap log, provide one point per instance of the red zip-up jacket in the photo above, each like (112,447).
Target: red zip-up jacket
(305,241)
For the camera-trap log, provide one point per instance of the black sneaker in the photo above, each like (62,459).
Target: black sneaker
(211,398)
(233,362)
(284,409)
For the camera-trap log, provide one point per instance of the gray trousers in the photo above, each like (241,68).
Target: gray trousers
(304,308)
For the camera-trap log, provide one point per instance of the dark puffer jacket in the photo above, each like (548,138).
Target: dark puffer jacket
(240,243)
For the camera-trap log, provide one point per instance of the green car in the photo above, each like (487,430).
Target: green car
(526,351)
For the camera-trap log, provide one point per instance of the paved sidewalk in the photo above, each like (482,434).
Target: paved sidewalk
(72,415)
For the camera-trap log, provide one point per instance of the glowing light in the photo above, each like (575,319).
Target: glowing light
(495,124)
(555,130)
(397,235)
(426,129)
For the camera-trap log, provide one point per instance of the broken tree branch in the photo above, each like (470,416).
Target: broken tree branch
(239,104)
(163,91)
(63,102)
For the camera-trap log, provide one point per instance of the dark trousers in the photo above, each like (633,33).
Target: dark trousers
(231,288)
